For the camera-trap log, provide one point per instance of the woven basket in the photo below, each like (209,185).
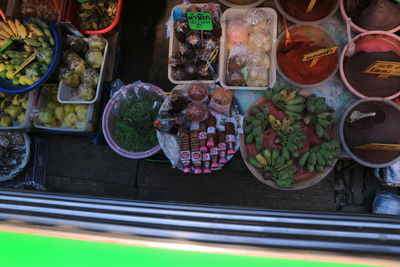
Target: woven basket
(107,123)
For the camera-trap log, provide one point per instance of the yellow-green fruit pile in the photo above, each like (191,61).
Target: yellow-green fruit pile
(12,109)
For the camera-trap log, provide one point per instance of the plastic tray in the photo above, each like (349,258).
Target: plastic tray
(172,48)
(71,16)
(65,93)
(6,85)
(27,121)
(223,56)
(43,98)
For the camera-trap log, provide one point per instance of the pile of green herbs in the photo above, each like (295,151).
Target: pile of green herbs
(133,118)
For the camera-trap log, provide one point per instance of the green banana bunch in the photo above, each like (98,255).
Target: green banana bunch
(289,135)
(319,115)
(256,124)
(288,100)
(276,167)
(320,156)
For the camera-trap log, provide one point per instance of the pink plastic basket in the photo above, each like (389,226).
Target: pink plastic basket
(107,123)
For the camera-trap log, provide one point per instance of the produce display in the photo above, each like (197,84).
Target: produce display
(40,9)
(81,64)
(95,15)
(132,120)
(198,133)
(195,52)
(37,42)
(14,153)
(249,44)
(13,109)
(289,137)
(52,114)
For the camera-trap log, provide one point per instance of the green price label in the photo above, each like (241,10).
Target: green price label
(200,21)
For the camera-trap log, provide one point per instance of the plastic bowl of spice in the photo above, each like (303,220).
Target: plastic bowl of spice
(377,15)
(316,47)
(357,71)
(296,10)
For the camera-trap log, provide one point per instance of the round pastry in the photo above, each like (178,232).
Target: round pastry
(196,111)
(236,62)
(198,92)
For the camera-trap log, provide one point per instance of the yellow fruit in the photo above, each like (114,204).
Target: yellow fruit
(10,74)
(2,66)
(11,23)
(22,80)
(28,48)
(6,29)
(35,78)
(29,81)
(3,42)
(4,34)
(35,30)
(21,29)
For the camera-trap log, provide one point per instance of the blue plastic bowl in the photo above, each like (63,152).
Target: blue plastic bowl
(6,85)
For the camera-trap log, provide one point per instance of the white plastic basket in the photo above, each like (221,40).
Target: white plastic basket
(43,98)
(173,43)
(27,121)
(223,56)
(65,93)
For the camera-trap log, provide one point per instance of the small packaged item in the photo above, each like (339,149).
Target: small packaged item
(253,16)
(203,136)
(196,154)
(258,59)
(211,132)
(198,92)
(221,101)
(196,111)
(184,146)
(222,148)
(237,62)
(260,42)
(230,138)
(257,77)
(235,78)
(206,163)
(214,158)
(238,34)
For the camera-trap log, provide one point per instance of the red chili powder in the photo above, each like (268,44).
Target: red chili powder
(301,72)
(297,9)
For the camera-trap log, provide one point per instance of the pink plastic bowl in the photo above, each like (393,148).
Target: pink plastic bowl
(372,41)
(355,27)
(107,124)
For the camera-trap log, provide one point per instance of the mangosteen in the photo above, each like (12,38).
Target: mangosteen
(193,38)
(181,28)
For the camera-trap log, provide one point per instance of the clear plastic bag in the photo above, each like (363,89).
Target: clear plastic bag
(94,58)
(86,92)
(254,16)
(237,32)
(77,44)
(96,42)
(90,77)
(386,203)
(71,78)
(74,62)
(260,42)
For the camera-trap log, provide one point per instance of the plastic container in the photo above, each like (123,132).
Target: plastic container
(27,121)
(72,16)
(377,130)
(223,56)
(372,41)
(42,101)
(173,42)
(6,85)
(14,9)
(65,93)
(108,124)
(316,34)
(292,19)
(355,27)
(229,4)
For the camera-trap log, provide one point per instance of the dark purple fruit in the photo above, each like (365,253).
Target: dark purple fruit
(210,43)
(177,61)
(237,62)
(193,38)
(203,74)
(180,74)
(191,70)
(193,8)
(178,103)
(203,55)
(185,50)
(181,29)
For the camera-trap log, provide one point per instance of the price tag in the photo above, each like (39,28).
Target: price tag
(384,69)
(26,62)
(314,56)
(200,21)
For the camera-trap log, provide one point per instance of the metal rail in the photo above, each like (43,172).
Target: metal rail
(217,224)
